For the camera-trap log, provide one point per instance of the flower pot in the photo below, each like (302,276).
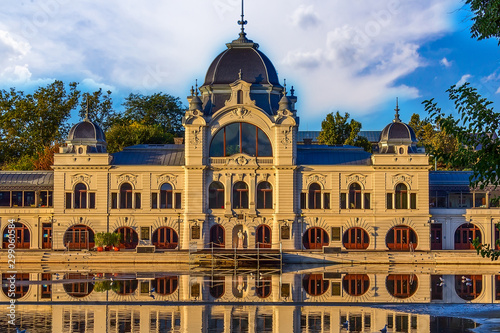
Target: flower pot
(117,248)
(107,248)
(100,249)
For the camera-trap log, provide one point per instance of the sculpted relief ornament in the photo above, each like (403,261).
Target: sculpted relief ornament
(355,179)
(126,179)
(195,140)
(168,178)
(287,137)
(81,178)
(241,113)
(402,178)
(316,179)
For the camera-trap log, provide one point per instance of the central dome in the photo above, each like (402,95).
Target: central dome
(255,67)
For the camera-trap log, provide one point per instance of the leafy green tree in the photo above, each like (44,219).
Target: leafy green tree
(100,108)
(28,123)
(486,19)
(120,135)
(157,109)
(338,130)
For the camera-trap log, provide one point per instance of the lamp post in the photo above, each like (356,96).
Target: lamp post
(179,231)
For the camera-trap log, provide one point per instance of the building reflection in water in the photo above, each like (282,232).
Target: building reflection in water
(310,302)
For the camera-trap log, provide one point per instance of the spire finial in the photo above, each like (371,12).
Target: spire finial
(192,91)
(196,90)
(240,74)
(292,91)
(242,22)
(87,110)
(396,117)
(284,88)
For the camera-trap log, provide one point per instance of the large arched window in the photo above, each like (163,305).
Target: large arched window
(80,195)
(79,237)
(240,138)
(240,195)
(401,285)
(315,285)
(356,238)
(314,196)
(126,196)
(264,196)
(468,287)
(465,234)
(22,236)
(166,198)
(216,195)
(401,197)
(401,238)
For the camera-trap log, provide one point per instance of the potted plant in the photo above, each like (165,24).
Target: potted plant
(116,240)
(108,242)
(99,240)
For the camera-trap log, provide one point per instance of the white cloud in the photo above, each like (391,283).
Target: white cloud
(305,17)
(445,62)
(463,79)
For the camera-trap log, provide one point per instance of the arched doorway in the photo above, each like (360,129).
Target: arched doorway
(465,234)
(79,237)
(263,236)
(356,239)
(401,238)
(468,287)
(20,289)
(165,238)
(315,238)
(263,287)
(356,284)
(22,236)
(217,286)
(166,285)
(315,285)
(401,285)
(80,288)
(217,236)
(126,287)
(129,238)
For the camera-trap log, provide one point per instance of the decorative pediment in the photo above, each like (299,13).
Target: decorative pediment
(241,160)
(166,178)
(316,178)
(81,178)
(127,178)
(355,178)
(402,178)
(240,94)
(241,113)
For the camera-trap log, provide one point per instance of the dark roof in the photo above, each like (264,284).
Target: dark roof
(372,136)
(255,67)
(172,155)
(332,155)
(86,130)
(26,180)
(449,180)
(398,131)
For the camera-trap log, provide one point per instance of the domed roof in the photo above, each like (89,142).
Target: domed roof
(86,131)
(254,66)
(398,131)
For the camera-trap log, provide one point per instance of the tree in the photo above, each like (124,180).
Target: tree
(485,250)
(28,123)
(120,135)
(157,109)
(486,19)
(99,107)
(338,130)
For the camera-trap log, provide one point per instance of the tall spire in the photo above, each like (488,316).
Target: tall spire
(242,22)
(243,35)
(396,117)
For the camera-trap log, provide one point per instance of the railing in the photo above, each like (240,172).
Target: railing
(225,160)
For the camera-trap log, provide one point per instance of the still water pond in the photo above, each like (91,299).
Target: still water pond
(330,299)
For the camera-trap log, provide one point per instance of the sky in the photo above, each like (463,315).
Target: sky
(352,56)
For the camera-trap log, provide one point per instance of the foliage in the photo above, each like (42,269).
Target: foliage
(120,136)
(28,123)
(100,108)
(115,238)
(106,285)
(485,250)
(486,20)
(24,162)
(338,130)
(45,158)
(100,239)
(159,109)
(478,146)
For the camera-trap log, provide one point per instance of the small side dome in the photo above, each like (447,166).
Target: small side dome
(397,135)
(87,136)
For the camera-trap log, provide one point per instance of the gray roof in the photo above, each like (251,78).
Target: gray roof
(26,180)
(372,136)
(449,180)
(172,155)
(332,155)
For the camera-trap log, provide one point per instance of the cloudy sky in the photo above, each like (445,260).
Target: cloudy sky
(354,56)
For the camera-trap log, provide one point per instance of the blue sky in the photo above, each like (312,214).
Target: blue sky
(353,56)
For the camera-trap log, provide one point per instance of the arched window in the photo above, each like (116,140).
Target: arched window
(314,196)
(80,196)
(165,238)
(241,138)
(78,289)
(129,238)
(465,234)
(240,195)
(263,287)
(20,289)
(263,236)
(126,196)
(216,195)
(166,198)
(217,286)
(166,285)
(355,196)
(79,237)
(264,196)
(401,197)
(217,236)
(401,238)
(356,238)
(127,287)
(468,287)
(22,236)
(315,285)
(401,285)
(356,284)
(315,238)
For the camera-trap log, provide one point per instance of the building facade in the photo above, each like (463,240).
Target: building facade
(241,178)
